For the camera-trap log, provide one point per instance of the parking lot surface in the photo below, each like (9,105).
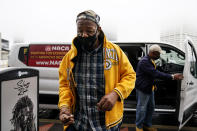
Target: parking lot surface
(48,121)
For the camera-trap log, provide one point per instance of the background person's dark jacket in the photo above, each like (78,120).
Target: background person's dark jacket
(146,74)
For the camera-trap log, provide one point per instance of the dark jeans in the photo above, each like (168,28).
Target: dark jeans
(145,108)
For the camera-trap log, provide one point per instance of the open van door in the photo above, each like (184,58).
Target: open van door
(188,97)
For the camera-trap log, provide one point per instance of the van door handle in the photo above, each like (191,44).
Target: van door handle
(191,83)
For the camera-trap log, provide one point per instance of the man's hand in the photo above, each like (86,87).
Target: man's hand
(178,76)
(107,102)
(65,116)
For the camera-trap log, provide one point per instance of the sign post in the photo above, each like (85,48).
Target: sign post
(19,90)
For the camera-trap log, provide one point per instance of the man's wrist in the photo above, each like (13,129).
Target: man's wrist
(116,94)
(172,76)
(64,109)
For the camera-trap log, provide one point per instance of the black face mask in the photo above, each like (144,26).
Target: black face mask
(87,43)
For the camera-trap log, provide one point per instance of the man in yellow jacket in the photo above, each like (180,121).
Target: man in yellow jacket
(95,77)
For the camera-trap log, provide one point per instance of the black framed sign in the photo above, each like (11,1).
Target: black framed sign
(19,99)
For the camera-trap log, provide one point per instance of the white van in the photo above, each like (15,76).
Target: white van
(45,57)
(176,97)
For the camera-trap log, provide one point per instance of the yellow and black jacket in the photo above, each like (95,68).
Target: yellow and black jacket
(119,76)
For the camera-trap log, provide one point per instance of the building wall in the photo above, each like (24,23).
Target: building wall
(176,36)
(3,54)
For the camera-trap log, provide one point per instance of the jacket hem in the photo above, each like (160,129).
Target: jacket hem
(114,123)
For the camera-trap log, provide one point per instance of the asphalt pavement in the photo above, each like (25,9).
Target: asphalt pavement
(48,121)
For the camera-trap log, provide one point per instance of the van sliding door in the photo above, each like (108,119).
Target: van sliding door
(188,98)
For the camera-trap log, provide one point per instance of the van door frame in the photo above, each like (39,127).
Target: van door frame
(186,114)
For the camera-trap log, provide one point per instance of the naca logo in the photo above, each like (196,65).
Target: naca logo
(48,48)
(57,48)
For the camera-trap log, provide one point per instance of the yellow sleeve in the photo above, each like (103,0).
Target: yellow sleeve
(65,93)
(127,77)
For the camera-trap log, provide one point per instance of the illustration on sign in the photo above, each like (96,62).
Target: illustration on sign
(22,87)
(20,113)
(23,118)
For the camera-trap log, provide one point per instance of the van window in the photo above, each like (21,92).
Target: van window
(23,53)
(171,56)
(134,54)
(170,61)
(192,60)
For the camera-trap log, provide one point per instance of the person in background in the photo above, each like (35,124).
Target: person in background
(95,77)
(146,73)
